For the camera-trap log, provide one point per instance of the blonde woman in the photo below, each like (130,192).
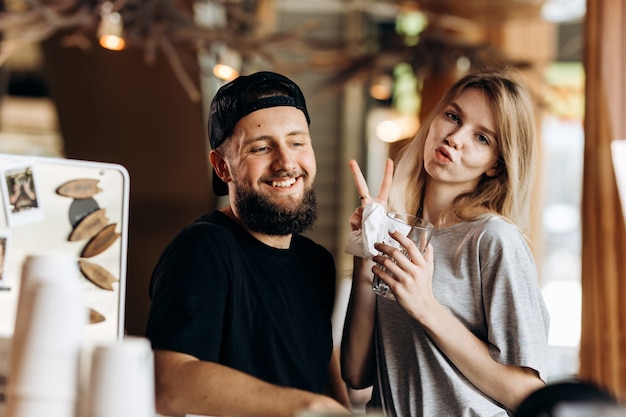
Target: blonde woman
(468,333)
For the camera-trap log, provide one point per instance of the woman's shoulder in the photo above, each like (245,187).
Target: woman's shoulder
(488,222)
(490,227)
(497,223)
(498,232)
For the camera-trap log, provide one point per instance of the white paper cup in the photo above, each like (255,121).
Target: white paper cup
(46,359)
(45,362)
(48,337)
(56,319)
(60,269)
(32,407)
(121,382)
(5,355)
(46,377)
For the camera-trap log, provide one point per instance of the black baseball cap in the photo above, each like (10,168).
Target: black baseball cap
(242,96)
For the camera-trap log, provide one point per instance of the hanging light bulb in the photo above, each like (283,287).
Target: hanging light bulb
(228,64)
(390,125)
(111,29)
(382,87)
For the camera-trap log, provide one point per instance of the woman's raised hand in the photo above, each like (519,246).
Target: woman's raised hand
(364,193)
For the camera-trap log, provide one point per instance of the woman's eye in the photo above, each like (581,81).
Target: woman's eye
(453,117)
(483,139)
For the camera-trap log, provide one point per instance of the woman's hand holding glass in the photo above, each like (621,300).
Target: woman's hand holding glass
(418,230)
(409,275)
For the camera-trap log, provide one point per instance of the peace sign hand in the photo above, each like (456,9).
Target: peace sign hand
(363,190)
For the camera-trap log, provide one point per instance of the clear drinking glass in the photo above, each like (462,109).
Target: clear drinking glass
(416,229)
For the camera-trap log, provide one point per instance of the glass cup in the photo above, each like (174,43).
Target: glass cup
(416,229)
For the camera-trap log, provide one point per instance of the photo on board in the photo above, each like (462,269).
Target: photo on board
(19,189)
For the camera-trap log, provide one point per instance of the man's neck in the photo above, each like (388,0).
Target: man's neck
(279,242)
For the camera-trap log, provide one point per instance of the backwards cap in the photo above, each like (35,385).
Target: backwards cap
(242,96)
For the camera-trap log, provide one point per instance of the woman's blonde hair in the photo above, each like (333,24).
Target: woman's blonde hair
(507,193)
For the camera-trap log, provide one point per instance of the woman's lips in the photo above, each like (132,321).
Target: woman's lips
(442,155)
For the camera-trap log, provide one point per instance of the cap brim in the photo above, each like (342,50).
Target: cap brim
(219,187)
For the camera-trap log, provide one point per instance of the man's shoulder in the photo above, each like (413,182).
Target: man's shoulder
(208,227)
(305,242)
(211,220)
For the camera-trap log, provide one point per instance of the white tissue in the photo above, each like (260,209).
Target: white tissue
(374,226)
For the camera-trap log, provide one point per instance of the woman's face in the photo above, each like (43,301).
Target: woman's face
(462,144)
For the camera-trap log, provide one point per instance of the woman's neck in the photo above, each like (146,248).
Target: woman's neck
(437,203)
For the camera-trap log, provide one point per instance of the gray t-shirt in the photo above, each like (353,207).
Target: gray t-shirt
(486,276)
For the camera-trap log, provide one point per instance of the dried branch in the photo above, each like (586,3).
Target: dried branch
(162,26)
(179,70)
(151,25)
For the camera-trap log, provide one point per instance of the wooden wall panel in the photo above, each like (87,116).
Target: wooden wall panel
(112,107)
(603,341)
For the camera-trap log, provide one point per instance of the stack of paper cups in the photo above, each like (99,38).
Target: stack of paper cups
(47,341)
(121,381)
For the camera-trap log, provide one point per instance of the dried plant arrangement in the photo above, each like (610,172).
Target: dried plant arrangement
(153,26)
(455,30)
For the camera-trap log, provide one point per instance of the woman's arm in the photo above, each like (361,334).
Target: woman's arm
(357,343)
(336,387)
(506,384)
(412,285)
(358,362)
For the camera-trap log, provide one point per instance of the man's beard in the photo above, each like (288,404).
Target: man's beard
(261,215)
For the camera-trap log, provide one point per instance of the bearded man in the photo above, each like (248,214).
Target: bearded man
(241,302)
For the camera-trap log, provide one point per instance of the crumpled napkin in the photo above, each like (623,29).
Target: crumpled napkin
(375,227)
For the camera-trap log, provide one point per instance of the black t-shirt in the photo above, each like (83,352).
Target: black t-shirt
(220,295)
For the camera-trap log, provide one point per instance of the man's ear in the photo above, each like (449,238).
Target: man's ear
(219,165)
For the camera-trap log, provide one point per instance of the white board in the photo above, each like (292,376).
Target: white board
(42,220)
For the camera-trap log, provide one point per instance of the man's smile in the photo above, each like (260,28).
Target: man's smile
(288,182)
